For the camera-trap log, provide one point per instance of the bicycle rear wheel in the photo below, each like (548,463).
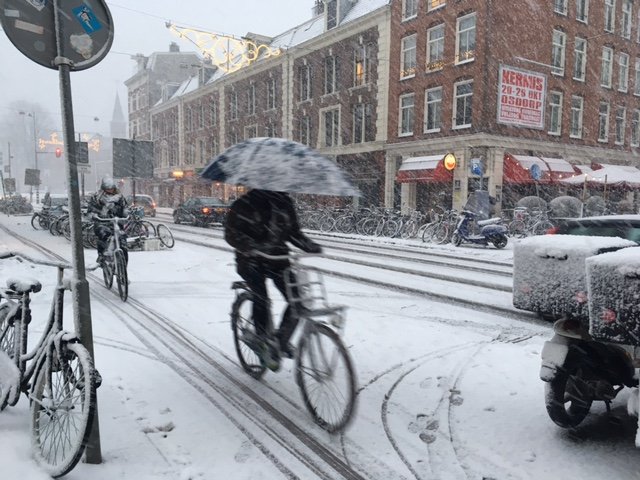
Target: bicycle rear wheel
(63,401)
(245,338)
(326,378)
(7,345)
(36,221)
(165,236)
(122,279)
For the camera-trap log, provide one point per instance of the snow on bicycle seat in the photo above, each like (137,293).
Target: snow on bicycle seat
(24,285)
(489,221)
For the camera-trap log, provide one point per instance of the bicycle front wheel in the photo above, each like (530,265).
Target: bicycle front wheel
(245,337)
(63,402)
(107,274)
(326,378)
(165,236)
(122,279)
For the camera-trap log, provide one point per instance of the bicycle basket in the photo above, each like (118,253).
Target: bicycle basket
(305,289)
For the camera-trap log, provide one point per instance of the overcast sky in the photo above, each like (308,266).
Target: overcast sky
(139,28)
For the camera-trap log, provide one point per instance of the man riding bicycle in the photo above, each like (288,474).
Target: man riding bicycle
(263,221)
(107,203)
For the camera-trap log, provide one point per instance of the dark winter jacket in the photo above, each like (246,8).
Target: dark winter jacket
(265,221)
(107,206)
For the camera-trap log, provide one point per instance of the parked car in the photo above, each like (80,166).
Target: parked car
(146,202)
(549,271)
(201,211)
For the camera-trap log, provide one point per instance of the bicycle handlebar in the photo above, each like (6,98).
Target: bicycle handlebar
(111,219)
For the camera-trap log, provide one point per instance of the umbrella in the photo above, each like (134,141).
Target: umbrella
(532,203)
(566,207)
(281,165)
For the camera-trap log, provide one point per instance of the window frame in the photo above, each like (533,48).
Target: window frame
(439,44)
(330,74)
(609,69)
(409,110)
(623,72)
(584,11)
(361,57)
(410,72)
(580,117)
(433,5)
(609,16)
(635,128)
(620,140)
(606,117)
(456,98)
(271,94)
(625,19)
(555,108)
(304,79)
(580,55)
(409,15)
(467,33)
(636,86)
(251,99)
(362,123)
(336,138)
(558,49)
(563,4)
(233,106)
(427,109)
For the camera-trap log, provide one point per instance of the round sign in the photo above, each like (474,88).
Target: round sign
(536,172)
(449,161)
(87,30)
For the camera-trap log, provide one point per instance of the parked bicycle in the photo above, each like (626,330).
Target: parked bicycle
(114,261)
(57,376)
(324,371)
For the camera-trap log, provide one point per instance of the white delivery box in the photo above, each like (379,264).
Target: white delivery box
(549,273)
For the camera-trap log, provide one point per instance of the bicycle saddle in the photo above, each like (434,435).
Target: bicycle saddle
(24,286)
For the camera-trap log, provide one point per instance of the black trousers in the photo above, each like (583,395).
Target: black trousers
(255,273)
(103,234)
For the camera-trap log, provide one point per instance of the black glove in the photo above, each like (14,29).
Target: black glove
(313,247)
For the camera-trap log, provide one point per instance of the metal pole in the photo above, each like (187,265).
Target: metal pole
(80,285)
(35,154)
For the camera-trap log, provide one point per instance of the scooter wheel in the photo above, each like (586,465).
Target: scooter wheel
(567,395)
(500,242)
(456,239)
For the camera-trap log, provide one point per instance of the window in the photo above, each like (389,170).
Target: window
(251,131)
(409,9)
(362,123)
(270,129)
(607,67)
(433,110)
(577,104)
(304,79)
(466,38)
(635,128)
(580,59)
(213,112)
(555,113)
(627,5)
(304,130)
(560,6)
(360,65)
(201,150)
(332,13)
(201,115)
(636,87)
(330,74)
(582,10)
(603,122)
(433,4)
(623,72)
(435,48)
(190,154)
(233,106)
(214,147)
(462,103)
(331,127)
(407,106)
(188,119)
(558,52)
(609,12)
(408,58)
(621,116)
(271,94)
(251,99)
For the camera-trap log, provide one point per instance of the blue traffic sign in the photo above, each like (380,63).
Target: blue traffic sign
(536,171)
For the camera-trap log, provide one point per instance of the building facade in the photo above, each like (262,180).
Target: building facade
(388,87)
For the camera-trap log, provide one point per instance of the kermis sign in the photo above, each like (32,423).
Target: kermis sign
(521,97)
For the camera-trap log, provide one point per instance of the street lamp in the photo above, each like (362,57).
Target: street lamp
(35,155)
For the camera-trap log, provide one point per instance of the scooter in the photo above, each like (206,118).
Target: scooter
(579,370)
(491,231)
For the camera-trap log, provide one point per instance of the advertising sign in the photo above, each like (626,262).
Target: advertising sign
(521,97)
(132,158)
(31,177)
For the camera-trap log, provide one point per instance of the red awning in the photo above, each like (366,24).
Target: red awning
(559,168)
(517,169)
(429,169)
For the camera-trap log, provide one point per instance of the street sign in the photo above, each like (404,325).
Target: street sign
(132,158)
(536,172)
(476,166)
(87,28)
(84,168)
(10,185)
(31,177)
(82,153)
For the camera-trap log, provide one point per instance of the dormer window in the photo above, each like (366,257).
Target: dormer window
(332,14)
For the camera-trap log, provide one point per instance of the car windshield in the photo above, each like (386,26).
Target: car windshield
(622,230)
(210,201)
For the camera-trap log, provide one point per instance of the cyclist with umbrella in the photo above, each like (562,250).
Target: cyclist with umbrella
(264,221)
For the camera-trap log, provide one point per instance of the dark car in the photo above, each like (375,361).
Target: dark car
(144,201)
(201,211)
(549,271)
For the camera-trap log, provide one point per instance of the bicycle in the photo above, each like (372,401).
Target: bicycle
(63,391)
(321,357)
(114,262)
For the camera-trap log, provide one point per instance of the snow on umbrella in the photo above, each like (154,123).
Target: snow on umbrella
(566,206)
(281,165)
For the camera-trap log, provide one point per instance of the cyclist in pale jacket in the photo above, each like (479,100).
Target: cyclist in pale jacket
(107,203)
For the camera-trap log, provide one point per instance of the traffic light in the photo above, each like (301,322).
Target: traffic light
(58,152)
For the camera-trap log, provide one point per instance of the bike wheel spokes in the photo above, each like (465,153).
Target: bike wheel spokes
(107,274)
(326,378)
(245,338)
(165,235)
(62,408)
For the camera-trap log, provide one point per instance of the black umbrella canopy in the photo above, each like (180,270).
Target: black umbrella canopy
(282,165)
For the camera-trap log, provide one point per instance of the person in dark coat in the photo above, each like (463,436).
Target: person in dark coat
(107,203)
(265,221)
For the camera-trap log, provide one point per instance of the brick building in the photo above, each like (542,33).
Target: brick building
(388,87)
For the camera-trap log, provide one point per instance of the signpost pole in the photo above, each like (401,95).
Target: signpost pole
(81,298)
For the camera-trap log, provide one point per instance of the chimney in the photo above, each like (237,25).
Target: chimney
(317,9)
(174,47)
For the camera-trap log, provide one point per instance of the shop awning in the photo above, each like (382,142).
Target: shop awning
(424,170)
(517,169)
(559,168)
(612,175)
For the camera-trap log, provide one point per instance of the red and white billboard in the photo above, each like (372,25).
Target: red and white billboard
(521,97)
